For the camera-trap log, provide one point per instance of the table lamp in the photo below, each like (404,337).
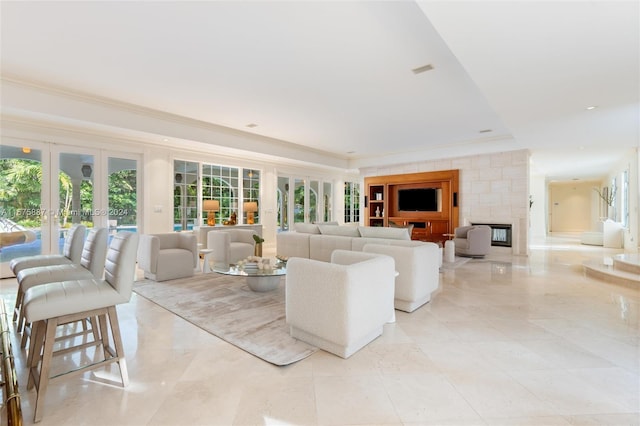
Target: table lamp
(211,206)
(250,207)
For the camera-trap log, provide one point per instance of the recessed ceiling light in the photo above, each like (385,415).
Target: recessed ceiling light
(485,131)
(589,108)
(252,125)
(422,69)
(165,140)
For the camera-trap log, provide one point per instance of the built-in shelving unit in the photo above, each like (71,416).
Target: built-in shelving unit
(383,207)
(376,205)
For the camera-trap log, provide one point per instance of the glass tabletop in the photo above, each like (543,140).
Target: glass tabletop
(231,269)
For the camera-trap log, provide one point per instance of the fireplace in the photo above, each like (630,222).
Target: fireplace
(500,234)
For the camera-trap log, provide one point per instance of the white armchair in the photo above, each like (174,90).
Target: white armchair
(339,306)
(168,256)
(473,240)
(231,245)
(418,272)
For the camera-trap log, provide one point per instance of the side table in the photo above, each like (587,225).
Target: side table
(449,249)
(205,255)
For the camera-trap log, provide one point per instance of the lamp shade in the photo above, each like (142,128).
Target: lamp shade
(250,206)
(211,205)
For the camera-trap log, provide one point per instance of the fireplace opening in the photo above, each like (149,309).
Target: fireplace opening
(500,234)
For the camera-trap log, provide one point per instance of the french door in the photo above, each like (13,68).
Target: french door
(47,188)
(303,200)
(76,174)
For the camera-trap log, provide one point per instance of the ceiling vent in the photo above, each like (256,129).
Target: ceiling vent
(422,69)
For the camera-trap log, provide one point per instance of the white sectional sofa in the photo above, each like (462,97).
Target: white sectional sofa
(417,264)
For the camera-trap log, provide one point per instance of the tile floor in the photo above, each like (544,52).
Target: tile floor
(505,341)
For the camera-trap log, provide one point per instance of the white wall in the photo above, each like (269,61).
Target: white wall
(572,206)
(537,212)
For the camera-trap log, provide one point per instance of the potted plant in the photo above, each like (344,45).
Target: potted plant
(259,240)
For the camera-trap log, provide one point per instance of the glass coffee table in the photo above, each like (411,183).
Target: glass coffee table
(260,280)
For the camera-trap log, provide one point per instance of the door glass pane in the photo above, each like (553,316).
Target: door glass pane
(283,203)
(327,207)
(221,183)
(298,201)
(251,193)
(75,183)
(21,210)
(313,201)
(185,195)
(123,194)
(351,202)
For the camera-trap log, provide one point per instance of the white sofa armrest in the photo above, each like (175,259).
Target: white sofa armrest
(189,241)
(418,268)
(148,250)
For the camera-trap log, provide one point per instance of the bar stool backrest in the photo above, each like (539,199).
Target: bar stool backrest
(94,251)
(121,262)
(72,248)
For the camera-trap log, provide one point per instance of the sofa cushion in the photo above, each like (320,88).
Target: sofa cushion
(383,232)
(357,244)
(293,244)
(321,246)
(343,231)
(307,228)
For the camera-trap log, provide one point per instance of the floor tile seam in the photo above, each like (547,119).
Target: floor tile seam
(584,383)
(380,377)
(576,371)
(578,348)
(485,418)
(398,410)
(591,352)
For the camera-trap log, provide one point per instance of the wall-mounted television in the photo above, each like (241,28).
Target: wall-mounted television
(420,200)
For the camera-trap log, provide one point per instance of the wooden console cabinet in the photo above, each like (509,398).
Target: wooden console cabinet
(382,208)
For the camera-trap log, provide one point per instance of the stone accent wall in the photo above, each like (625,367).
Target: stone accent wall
(494,188)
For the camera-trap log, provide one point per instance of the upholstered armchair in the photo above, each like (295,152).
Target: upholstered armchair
(473,241)
(231,245)
(339,306)
(418,272)
(168,256)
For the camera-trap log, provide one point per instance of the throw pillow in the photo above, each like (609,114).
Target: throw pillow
(344,231)
(307,228)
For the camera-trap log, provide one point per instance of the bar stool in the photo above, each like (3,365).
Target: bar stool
(91,266)
(71,253)
(48,305)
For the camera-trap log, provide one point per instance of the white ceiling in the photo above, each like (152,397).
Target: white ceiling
(337,76)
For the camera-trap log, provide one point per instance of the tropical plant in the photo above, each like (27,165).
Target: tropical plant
(607,197)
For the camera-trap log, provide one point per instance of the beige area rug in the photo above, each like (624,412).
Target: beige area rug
(226,307)
(457,262)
